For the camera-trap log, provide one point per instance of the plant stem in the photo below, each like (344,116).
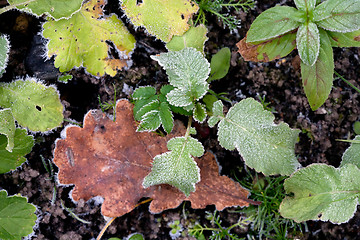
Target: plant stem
(349,83)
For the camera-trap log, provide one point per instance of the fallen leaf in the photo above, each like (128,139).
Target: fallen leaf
(110,159)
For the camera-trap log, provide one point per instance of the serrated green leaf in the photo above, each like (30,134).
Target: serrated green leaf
(22,146)
(149,121)
(7,127)
(305,5)
(17,217)
(83,40)
(268,50)
(54,8)
(322,192)
(187,70)
(33,104)
(350,39)
(272,23)
(150,106)
(352,154)
(218,113)
(4,52)
(177,167)
(318,79)
(166,117)
(220,64)
(195,37)
(308,43)
(264,146)
(161,18)
(199,113)
(143,93)
(338,16)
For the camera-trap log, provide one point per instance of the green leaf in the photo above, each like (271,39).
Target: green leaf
(322,192)
(268,50)
(144,93)
(199,113)
(135,236)
(22,146)
(220,64)
(338,16)
(209,101)
(318,79)
(305,5)
(195,37)
(177,167)
(7,127)
(54,8)
(164,19)
(166,117)
(17,217)
(33,104)
(350,39)
(352,154)
(4,53)
(264,146)
(187,70)
(308,43)
(218,114)
(149,121)
(272,23)
(85,39)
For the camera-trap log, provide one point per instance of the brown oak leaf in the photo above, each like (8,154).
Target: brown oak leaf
(110,159)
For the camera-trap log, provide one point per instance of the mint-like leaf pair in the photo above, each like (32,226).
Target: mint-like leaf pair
(312,29)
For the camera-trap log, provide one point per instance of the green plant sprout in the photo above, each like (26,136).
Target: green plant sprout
(313,28)
(109,105)
(216,7)
(265,104)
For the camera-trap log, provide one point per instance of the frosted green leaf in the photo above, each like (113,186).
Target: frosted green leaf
(177,167)
(199,113)
(338,16)
(4,52)
(352,154)
(217,114)
(86,38)
(305,5)
(149,121)
(322,192)
(161,18)
(264,146)
(17,217)
(54,8)
(187,70)
(308,43)
(22,146)
(33,104)
(7,127)
(166,117)
(272,23)
(350,39)
(143,93)
(195,37)
(220,64)
(318,79)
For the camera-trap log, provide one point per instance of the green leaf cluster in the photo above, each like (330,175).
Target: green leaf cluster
(316,27)
(4,51)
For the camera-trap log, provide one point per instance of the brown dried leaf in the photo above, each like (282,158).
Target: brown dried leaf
(110,159)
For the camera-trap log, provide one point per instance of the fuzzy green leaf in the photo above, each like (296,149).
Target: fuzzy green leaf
(318,79)
(305,5)
(195,37)
(54,8)
(33,104)
(144,93)
(350,39)
(4,51)
(218,114)
(7,127)
(220,64)
(338,16)
(322,192)
(166,117)
(272,23)
(177,167)
(265,146)
(17,217)
(82,40)
(22,146)
(308,43)
(187,70)
(352,154)
(150,121)
(161,18)
(199,113)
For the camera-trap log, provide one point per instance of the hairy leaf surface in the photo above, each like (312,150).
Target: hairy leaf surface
(33,104)
(322,192)
(161,18)
(110,159)
(195,37)
(349,39)
(7,127)
(352,154)
(308,43)
(4,51)
(264,146)
(85,39)
(305,5)
(17,217)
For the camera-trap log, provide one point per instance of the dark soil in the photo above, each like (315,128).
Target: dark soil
(279,81)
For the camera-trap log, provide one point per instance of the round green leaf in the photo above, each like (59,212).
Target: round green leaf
(220,64)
